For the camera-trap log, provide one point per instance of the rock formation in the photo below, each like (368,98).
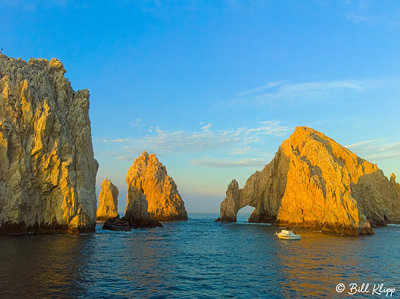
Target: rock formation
(313,182)
(47,169)
(136,210)
(108,201)
(160,190)
(136,214)
(117,224)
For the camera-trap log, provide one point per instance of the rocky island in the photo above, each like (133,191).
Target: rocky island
(148,176)
(108,201)
(152,196)
(47,169)
(314,182)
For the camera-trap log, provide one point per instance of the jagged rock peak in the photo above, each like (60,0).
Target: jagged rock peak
(150,176)
(48,170)
(108,201)
(314,182)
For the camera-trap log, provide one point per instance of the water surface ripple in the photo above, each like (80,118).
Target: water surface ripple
(197,258)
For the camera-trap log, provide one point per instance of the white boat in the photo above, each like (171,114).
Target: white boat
(288,235)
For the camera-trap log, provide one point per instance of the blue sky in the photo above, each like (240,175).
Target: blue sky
(214,87)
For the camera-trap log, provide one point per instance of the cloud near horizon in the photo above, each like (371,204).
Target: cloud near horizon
(235,141)
(217,163)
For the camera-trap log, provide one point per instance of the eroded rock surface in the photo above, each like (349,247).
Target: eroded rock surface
(136,212)
(150,176)
(313,182)
(108,201)
(47,169)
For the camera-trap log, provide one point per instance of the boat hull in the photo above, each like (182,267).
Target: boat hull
(285,237)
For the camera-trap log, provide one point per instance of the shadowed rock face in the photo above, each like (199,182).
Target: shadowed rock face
(150,176)
(108,201)
(313,182)
(136,212)
(117,224)
(47,169)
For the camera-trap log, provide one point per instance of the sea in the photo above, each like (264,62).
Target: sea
(199,258)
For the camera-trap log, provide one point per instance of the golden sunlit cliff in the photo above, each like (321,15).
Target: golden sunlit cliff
(314,182)
(108,201)
(148,176)
(47,169)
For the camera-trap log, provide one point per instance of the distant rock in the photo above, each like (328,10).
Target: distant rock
(136,210)
(117,224)
(150,176)
(47,169)
(108,201)
(313,182)
(231,205)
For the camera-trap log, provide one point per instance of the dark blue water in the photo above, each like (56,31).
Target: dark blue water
(197,258)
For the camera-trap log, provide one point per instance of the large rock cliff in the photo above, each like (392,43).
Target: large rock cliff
(47,169)
(149,176)
(108,201)
(313,182)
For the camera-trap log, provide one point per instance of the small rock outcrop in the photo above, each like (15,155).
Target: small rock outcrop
(108,201)
(136,210)
(117,224)
(147,174)
(313,182)
(47,169)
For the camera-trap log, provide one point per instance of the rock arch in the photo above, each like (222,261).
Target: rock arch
(264,191)
(314,182)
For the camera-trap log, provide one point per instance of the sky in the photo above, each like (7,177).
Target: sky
(214,87)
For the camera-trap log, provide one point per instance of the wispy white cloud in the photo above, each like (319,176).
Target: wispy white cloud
(137,122)
(231,141)
(376,149)
(370,12)
(365,143)
(110,140)
(284,92)
(240,151)
(357,18)
(260,88)
(268,128)
(296,92)
(216,163)
(206,128)
(384,156)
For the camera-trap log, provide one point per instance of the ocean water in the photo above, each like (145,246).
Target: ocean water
(196,258)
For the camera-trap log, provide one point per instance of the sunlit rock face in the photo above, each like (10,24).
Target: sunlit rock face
(148,175)
(47,169)
(108,201)
(313,182)
(263,190)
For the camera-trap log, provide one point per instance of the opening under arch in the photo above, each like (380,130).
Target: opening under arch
(244,213)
